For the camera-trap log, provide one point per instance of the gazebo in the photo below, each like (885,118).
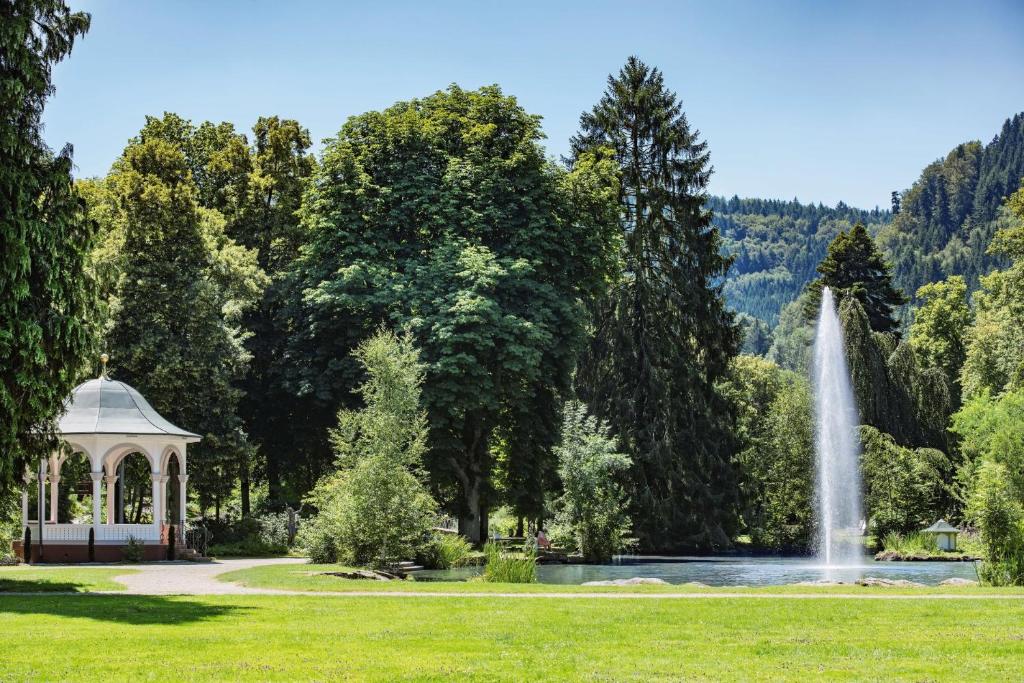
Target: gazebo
(107,421)
(944,533)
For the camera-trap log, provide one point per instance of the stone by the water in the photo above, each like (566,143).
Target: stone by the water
(957,581)
(889,583)
(635,581)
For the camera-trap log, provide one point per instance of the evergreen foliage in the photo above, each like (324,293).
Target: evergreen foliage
(854,267)
(663,337)
(47,296)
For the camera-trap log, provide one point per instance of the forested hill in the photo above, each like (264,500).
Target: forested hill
(942,226)
(777,245)
(948,216)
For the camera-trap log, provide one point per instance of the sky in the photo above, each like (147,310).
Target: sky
(819,100)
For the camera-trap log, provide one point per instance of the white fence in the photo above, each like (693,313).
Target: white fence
(105,533)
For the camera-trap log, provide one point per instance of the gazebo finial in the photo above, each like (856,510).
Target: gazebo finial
(103,360)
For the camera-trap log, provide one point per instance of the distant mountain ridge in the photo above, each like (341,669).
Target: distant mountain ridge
(943,226)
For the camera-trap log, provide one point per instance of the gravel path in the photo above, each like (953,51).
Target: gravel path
(193,578)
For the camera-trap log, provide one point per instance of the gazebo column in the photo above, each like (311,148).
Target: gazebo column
(157,486)
(111,480)
(54,486)
(182,498)
(97,481)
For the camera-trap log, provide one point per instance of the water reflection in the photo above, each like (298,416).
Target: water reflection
(731,571)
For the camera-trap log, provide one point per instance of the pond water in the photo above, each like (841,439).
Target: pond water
(730,571)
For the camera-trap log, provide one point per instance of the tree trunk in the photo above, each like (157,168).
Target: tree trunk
(243,485)
(470,523)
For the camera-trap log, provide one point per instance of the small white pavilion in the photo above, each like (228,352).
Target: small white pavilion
(106,421)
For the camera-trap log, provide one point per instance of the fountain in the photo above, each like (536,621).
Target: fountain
(836,444)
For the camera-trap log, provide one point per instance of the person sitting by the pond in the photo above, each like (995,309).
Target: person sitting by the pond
(542,540)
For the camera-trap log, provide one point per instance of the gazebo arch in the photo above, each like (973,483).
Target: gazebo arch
(107,420)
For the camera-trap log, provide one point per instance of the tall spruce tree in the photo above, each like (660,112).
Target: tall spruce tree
(663,337)
(46,294)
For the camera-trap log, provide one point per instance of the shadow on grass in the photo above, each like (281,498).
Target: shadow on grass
(37,585)
(123,609)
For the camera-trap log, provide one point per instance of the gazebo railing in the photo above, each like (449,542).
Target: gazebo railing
(105,533)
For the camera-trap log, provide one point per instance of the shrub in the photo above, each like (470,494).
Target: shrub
(375,510)
(28,545)
(134,550)
(1000,519)
(445,551)
(92,544)
(376,514)
(591,513)
(504,567)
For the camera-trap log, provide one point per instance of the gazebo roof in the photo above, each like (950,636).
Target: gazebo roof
(105,406)
(941,527)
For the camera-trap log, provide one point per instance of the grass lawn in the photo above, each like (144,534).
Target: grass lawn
(22,579)
(309,577)
(117,637)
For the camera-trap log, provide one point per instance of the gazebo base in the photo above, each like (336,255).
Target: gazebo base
(77,553)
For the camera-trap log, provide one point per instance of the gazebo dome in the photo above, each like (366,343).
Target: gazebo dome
(105,406)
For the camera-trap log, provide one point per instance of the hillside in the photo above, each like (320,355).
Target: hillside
(777,245)
(941,226)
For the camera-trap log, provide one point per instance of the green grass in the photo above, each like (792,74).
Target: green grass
(95,637)
(309,577)
(24,579)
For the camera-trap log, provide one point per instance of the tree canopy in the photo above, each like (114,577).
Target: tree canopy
(442,214)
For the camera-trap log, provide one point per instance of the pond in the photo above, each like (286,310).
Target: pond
(730,571)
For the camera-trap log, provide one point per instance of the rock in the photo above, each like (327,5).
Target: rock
(958,582)
(635,581)
(888,583)
(367,575)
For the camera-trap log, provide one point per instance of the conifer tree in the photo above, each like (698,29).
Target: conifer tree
(854,266)
(663,338)
(46,294)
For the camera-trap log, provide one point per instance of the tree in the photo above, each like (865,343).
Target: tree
(444,215)
(904,488)
(895,202)
(995,343)
(663,336)
(940,326)
(854,267)
(47,296)
(592,510)
(375,510)
(182,287)
(776,456)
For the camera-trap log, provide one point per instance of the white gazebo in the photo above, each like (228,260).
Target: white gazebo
(106,421)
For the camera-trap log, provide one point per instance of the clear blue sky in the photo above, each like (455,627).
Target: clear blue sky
(824,101)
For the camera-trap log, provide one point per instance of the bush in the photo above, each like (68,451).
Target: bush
(445,551)
(376,514)
(503,567)
(134,550)
(1000,519)
(251,547)
(591,513)
(375,511)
